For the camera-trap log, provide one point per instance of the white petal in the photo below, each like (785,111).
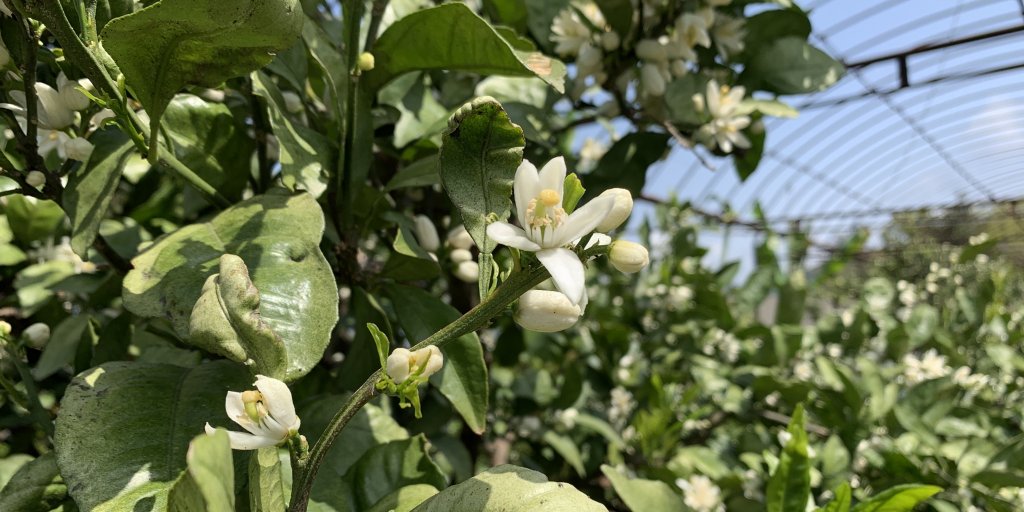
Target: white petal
(210,430)
(243,441)
(278,399)
(582,221)
(566,271)
(235,409)
(512,236)
(552,175)
(527,186)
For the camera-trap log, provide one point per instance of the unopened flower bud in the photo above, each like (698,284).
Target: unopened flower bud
(35,179)
(459,238)
(292,102)
(628,257)
(37,334)
(5,328)
(651,51)
(468,271)
(70,95)
(426,233)
(365,62)
(460,255)
(546,311)
(678,68)
(620,210)
(610,40)
(78,149)
(589,57)
(651,79)
(403,363)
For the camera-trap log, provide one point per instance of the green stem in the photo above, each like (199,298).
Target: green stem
(474,319)
(39,413)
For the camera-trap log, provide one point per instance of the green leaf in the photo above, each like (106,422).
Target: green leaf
(277,235)
(10,465)
(360,362)
(841,503)
(62,346)
(91,186)
(679,99)
(643,495)
(381,341)
(36,487)
(791,66)
(573,192)
(266,484)
(626,162)
(452,37)
(421,173)
(32,219)
(132,422)
(567,449)
(463,378)
(404,499)
(766,27)
(197,42)
(901,498)
(422,116)
(746,160)
(391,466)
(510,488)
(209,483)
(305,154)
(790,484)
(226,320)
(34,284)
(479,155)
(540,15)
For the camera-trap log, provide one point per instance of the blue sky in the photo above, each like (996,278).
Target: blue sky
(958,140)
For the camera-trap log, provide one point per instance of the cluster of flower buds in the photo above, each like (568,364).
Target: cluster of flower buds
(406,369)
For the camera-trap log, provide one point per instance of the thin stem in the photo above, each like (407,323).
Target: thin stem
(31,393)
(30,142)
(476,318)
(376,15)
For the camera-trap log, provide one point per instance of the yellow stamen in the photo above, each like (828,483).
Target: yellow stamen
(254,408)
(550,197)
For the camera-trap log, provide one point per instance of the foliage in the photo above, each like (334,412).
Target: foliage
(199,197)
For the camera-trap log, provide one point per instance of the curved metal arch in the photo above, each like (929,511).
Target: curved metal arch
(973,96)
(924,21)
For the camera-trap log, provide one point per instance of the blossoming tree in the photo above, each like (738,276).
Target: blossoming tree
(227,213)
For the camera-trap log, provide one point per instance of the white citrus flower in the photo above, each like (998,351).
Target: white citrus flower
(49,141)
(426,233)
(404,363)
(35,179)
(700,493)
(569,33)
(728,34)
(51,111)
(692,28)
(622,206)
(628,257)
(548,229)
(268,415)
(69,94)
(930,366)
(725,127)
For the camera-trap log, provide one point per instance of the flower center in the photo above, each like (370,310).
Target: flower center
(253,403)
(545,211)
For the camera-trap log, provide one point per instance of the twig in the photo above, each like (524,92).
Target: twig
(685,142)
(783,419)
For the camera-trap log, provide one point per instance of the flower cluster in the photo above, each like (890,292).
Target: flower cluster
(57,111)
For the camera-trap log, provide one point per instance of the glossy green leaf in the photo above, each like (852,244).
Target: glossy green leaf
(642,495)
(841,502)
(32,219)
(480,152)
(540,16)
(404,499)
(209,482)
(626,162)
(36,487)
(567,449)
(463,378)
(277,235)
(387,467)
(766,27)
(790,485)
(618,14)
(791,66)
(452,37)
(746,161)
(266,483)
(207,138)
(305,155)
(174,43)
(60,350)
(901,498)
(132,423)
(91,186)
(421,173)
(226,320)
(34,284)
(510,488)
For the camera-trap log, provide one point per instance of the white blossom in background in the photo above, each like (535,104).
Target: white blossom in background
(35,179)
(426,233)
(51,111)
(567,417)
(467,271)
(621,405)
(459,238)
(701,494)
(37,335)
(930,366)
(78,149)
(591,151)
(569,33)
(70,94)
(268,415)
(726,125)
(803,370)
(728,34)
